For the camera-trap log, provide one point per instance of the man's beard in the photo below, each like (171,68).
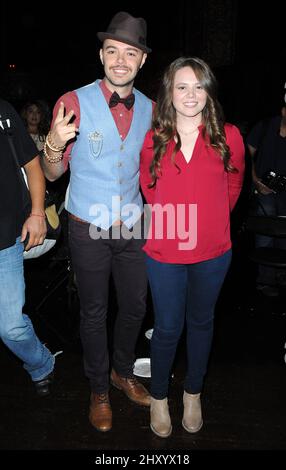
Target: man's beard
(120,85)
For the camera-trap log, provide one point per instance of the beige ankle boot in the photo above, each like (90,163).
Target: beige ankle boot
(192,419)
(160,418)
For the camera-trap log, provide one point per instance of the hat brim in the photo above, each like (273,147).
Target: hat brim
(102,36)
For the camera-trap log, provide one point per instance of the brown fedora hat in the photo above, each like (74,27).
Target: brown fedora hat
(125,28)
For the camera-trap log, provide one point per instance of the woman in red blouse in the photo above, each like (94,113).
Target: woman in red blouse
(191,173)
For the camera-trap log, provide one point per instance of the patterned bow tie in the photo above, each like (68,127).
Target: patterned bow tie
(115,99)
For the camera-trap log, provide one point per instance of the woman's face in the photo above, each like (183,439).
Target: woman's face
(189,97)
(33,115)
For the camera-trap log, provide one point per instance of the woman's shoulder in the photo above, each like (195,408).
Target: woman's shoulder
(149,134)
(231,128)
(232,133)
(149,137)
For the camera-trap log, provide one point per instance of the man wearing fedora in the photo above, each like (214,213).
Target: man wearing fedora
(99,130)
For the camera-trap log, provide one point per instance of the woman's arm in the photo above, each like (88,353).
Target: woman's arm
(235,180)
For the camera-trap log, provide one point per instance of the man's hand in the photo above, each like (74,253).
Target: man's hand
(62,130)
(35,227)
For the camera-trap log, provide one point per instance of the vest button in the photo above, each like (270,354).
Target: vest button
(121,147)
(119,164)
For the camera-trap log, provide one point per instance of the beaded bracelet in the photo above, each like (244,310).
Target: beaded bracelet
(52,158)
(52,146)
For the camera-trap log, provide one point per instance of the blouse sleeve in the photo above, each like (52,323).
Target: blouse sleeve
(146,157)
(235,180)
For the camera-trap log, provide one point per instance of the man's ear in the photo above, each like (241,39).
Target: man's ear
(143,60)
(101,55)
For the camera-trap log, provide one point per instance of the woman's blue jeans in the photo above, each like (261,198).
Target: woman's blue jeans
(16,329)
(183,292)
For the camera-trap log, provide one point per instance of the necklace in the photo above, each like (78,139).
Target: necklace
(187,133)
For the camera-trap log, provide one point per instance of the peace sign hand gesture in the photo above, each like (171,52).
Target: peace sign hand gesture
(63,130)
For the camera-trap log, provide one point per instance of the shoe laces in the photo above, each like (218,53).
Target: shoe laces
(132,381)
(102,398)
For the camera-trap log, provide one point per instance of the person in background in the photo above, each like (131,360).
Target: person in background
(99,129)
(36,118)
(16,226)
(191,173)
(267,146)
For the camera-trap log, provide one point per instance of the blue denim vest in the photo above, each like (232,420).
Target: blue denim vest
(104,169)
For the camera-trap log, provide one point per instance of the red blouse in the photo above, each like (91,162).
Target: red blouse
(191,205)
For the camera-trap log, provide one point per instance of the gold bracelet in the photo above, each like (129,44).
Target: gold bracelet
(52,146)
(51,158)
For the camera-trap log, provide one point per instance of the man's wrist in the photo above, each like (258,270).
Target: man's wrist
(55,157)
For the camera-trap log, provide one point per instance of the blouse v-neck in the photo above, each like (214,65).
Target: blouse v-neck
(195,152)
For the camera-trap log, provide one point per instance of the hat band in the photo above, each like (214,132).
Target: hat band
(125,34)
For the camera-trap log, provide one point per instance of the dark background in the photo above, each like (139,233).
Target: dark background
(50,48)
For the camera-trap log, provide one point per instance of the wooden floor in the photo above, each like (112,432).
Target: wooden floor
(244,399)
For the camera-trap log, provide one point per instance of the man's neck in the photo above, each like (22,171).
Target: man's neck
(122,91)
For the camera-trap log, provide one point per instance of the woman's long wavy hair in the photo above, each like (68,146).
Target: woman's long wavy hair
(44,124)
(164,119)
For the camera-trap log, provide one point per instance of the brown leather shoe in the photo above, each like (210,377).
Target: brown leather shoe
(100,413)
(132,388)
